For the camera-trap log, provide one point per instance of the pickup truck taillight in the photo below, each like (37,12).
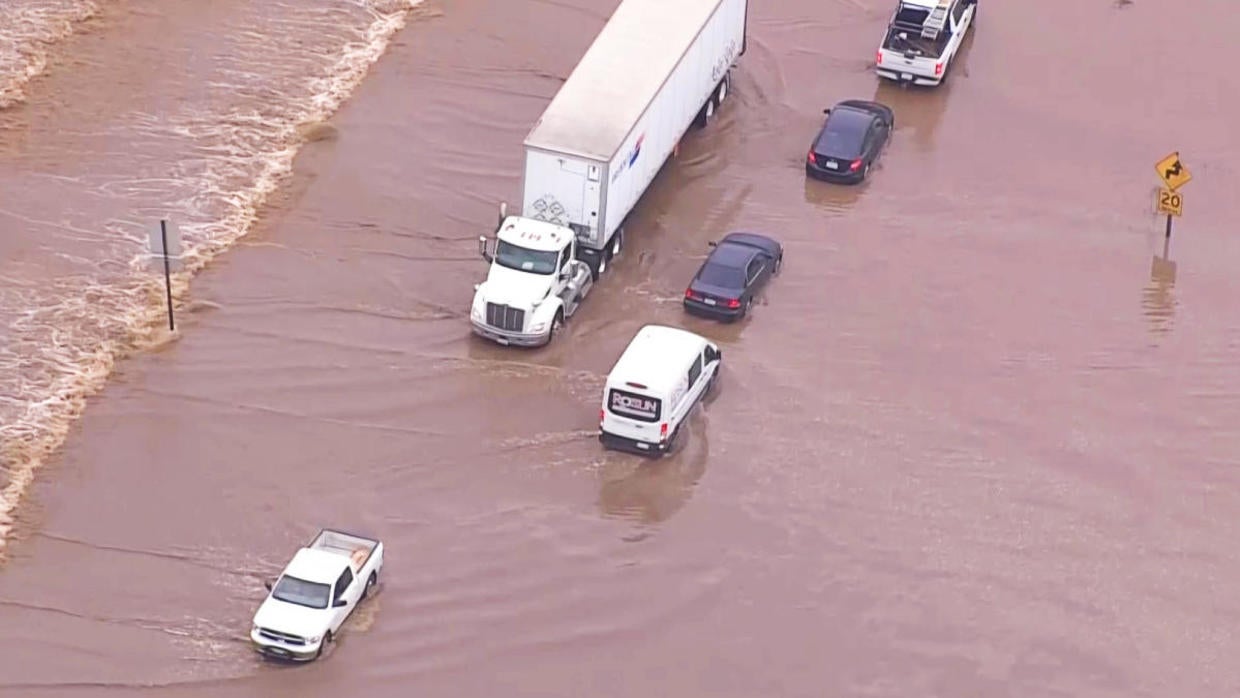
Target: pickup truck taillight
(938,68)
(879,57)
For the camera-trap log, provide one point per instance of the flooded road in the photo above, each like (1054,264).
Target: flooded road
(976,440)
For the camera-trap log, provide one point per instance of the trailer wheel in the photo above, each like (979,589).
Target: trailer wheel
(708,112)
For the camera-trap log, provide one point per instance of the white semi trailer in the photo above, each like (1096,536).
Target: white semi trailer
(657,68)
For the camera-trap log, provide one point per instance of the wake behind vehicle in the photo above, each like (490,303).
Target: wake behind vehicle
(314,595)
(850,141)
(736,270)
(656,69)
(653,387)
(922,39)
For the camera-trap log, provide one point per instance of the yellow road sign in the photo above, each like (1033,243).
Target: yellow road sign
(1170,202)
(1173,172)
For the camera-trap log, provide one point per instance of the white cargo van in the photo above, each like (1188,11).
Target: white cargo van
(652,389)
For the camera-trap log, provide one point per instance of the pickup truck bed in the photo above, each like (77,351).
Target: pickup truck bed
(358,548)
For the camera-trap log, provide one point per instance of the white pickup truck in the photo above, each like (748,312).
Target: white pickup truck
(318,590)
(923,38)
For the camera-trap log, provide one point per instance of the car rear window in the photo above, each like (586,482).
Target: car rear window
(643,408)
(720,275)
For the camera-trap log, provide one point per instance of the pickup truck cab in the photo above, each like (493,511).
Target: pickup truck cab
(923,38)
(314,595)
(535,282)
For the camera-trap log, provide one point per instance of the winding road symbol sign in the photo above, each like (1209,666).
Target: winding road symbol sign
(1173,172)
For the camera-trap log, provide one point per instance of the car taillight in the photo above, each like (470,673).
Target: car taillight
(663,431)
(938,68)
(856,165)
(689,293)
(879,57)
(734,302)
(811,157)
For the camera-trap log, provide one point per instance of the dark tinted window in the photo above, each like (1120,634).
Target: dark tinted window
(525,259)
(346,578)
(299,591)
(643,408)
(844,133)
(912,15)
(695,370)
(721,275)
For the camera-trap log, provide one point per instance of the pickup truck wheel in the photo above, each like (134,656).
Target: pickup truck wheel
(326,639)
(370,584)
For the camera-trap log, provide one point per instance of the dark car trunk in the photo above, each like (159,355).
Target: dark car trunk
(719,294)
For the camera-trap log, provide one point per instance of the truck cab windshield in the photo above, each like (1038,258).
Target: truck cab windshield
(525,259)
(303,593)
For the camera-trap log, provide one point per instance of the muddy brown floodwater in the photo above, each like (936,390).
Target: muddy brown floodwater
(974,442)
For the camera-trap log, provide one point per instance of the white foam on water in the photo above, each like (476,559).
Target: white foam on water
(28,30)
(69,332)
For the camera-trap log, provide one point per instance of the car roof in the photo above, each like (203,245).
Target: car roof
(535,234)
(652,358)
(315,565)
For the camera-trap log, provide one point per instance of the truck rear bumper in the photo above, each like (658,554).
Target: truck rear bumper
(509,338)
(910,78)
(616,442)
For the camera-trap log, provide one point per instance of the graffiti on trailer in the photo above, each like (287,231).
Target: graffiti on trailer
(725,61)
(548,209)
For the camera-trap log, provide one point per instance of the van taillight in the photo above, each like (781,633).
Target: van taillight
(879,58)
(601,415)
(662,431)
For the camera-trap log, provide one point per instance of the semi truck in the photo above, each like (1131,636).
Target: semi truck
(655,70)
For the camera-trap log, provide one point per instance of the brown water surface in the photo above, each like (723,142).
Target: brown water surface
(975,441)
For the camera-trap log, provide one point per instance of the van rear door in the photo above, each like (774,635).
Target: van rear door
(633,414)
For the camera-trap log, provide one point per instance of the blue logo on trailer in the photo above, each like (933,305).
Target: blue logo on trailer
(637,150)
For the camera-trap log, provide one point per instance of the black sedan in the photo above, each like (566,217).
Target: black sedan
(736,269)
(850,141)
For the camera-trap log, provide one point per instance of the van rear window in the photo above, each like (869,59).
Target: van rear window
(640,407)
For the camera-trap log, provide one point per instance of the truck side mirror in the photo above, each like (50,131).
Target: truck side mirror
(826,111)
(712,243)
(268,584)
(482,248)
(503,213)
(340,603)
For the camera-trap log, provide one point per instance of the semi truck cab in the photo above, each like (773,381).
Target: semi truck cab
(534,282)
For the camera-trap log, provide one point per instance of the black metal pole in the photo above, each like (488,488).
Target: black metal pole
(1167,239)
(163,233)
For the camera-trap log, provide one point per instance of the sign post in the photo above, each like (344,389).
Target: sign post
(1174,175)
(166,243)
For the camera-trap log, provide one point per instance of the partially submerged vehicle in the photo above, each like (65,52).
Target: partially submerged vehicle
(923,37)
(314,595)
